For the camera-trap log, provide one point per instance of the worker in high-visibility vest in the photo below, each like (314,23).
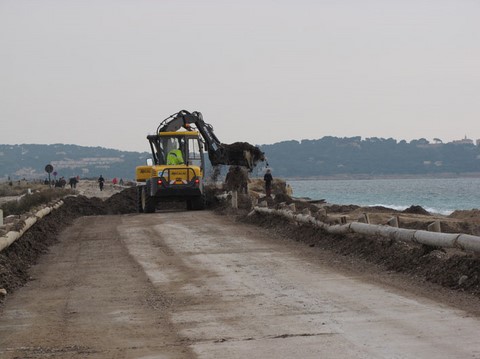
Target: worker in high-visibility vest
(175,157)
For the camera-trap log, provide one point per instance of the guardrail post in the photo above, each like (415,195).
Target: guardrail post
(434,227)
(364,218)
(393,222)
(235,199)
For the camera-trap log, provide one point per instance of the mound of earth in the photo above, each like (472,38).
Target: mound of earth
(473,214)
(123,202)
(283,197)
(416,210)
(336,208)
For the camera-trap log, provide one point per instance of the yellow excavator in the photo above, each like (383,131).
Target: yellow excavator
(177,168)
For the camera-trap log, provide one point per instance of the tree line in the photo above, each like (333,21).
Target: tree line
(333,156)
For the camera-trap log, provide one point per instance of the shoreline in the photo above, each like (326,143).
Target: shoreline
(441,195)
(354,177)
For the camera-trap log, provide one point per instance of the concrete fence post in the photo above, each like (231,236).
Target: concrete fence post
(393,222)
(364,218)
(235,199)
(434,227)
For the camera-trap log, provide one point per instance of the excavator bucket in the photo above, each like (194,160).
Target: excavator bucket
(242,154)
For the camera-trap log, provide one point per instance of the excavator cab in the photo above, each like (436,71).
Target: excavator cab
(177,148)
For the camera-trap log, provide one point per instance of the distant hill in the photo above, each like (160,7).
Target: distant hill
(352,156)
(325,157)
(29,161)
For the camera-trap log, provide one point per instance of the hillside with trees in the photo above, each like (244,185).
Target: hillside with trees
(325,157)
(352,156)
(29,161)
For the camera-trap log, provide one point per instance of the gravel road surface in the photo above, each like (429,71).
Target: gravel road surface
(195,285)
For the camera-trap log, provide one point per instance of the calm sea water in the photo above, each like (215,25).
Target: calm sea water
(435,195)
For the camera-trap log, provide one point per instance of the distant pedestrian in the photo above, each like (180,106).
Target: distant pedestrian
(114,181)
(268,182)
(121,182)
(73,182)
(101,182)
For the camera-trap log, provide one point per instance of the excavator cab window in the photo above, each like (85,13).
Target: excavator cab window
(173,150)
(195,155)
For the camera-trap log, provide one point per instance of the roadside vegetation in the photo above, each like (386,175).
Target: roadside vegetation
(17,188)
(40,194)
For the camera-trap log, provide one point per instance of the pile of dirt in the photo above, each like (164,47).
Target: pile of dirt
(416,210)
(23,253)
(473,214)
(123,202)
(449,268)
(337,208)
(283,198)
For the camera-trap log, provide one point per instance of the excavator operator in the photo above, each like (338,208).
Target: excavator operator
(175,157)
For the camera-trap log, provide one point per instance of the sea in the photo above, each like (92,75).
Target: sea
(440,195)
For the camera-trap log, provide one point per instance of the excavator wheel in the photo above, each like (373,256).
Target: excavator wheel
(148,203)
(139,199)
(198,203)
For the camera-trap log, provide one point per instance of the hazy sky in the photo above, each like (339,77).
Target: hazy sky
(105,73)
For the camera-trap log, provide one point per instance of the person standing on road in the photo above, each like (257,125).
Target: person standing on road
(73,182)
(101,182)
(268,182)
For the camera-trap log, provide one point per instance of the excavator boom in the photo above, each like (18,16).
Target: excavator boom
(235,154)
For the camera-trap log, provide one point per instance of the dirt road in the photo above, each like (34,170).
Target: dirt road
(195,285)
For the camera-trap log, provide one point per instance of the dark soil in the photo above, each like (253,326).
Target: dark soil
(416,210)
(235,153)
(282,197)
(448,268)
(336,208)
